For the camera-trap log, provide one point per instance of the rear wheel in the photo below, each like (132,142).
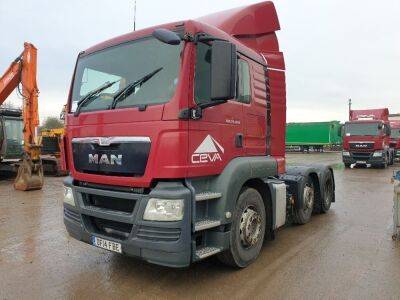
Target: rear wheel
(303,215)
(347,165)
(247,231)
(323,204)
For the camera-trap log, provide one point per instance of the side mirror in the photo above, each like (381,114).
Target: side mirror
(388,130)
(167,36)
(62,114)
(380,126)
(223,70)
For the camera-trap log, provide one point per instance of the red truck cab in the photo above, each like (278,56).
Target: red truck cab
(366,139)
(395,138)
(175,142)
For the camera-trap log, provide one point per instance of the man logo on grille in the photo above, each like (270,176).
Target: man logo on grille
(105,160)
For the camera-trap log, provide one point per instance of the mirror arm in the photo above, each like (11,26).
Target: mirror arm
(197,112)
(205,38)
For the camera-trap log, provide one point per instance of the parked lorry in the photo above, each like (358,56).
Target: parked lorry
(395,138)
(366,139)
(11,138)
(316,135)
(175,142)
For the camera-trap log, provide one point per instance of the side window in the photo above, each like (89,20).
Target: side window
(202,80)
(243,85)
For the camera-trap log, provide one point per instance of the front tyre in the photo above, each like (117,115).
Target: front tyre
(247,231)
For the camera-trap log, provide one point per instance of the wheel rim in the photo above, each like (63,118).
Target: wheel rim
(308,197)
(250,227)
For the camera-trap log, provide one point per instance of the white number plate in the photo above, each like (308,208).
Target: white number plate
(361,162)
(105,244)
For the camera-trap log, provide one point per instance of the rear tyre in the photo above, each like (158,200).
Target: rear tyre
(347,166)
(247,231)
(328,192)
(302,215)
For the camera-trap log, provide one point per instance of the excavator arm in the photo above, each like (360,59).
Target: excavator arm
(23,71)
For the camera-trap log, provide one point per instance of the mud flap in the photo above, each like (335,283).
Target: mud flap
(30,175)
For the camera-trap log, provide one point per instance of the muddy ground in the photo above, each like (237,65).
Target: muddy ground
(347,253)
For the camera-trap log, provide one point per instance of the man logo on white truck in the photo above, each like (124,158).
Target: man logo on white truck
(208,151)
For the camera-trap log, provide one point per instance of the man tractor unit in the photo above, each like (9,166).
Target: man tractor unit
(366,139)
(175,142)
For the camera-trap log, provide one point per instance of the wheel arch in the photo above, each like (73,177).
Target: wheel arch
(236,174)
(263,189)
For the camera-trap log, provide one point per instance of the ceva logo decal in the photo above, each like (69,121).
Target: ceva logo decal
(208,151)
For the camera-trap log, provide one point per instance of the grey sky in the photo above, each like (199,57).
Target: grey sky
(334,49)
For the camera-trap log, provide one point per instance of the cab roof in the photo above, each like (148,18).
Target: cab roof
(252,28)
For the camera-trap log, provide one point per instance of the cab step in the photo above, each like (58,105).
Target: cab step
(203,224)
(208,196)
(204,252)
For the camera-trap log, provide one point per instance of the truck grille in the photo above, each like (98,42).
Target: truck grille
(112,203)
(361,155)
(111,228)
(121,156)
(158,234)
(361,145)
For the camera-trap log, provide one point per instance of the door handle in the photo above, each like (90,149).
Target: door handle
(239,140)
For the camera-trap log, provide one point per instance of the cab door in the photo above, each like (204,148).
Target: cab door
(217,136)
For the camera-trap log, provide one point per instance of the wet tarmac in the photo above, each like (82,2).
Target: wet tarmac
(347,253)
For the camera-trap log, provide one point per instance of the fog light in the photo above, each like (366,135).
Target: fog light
(164,210)
(346,153)
(69,196)
(377,154)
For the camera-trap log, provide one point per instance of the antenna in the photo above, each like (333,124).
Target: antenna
(134,17)
(349,109)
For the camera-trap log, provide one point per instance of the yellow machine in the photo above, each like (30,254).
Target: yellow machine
(50,139)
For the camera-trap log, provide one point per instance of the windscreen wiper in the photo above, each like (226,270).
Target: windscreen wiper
(130,88)
(89,97)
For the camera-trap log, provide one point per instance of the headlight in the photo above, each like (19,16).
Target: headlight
(164,210)
(69,196)
(377,153)
(346,153)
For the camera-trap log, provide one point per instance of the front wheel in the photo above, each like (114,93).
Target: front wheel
(247,231)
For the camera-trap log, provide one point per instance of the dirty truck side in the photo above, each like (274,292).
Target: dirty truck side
(175,142)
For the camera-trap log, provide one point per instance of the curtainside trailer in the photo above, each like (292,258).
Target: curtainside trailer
(316,135)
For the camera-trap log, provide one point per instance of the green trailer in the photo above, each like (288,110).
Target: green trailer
(316,135)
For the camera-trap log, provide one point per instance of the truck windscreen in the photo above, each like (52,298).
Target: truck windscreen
(362,129)
(395,133)
(126,63)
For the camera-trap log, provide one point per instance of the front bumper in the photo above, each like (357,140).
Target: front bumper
(163,243)
(363,158)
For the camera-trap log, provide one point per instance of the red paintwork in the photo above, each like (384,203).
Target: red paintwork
(368,116)
(395,142)
(375,114)
(173,141)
